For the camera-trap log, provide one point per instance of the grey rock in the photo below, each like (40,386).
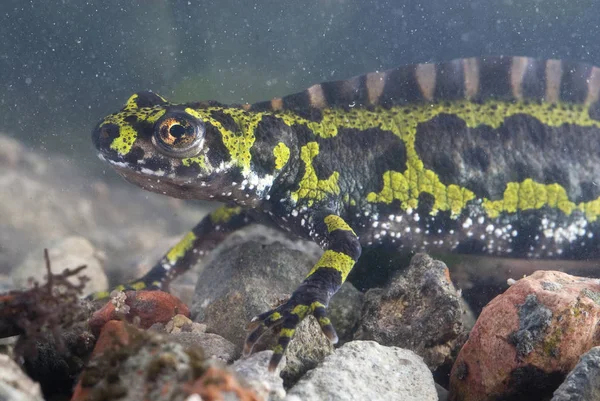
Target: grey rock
(251,272)
(419,310)
(154,369)
(68,253)
(306,350)
(254,371)
(213,345)
(442,393)
(182,330)
(344,311)
(365,370)
(583,382)
(16,385)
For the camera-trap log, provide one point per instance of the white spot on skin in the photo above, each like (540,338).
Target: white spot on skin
(467,223)
(157,173)
(119,164)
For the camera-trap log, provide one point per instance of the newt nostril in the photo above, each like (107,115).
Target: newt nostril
(103,135)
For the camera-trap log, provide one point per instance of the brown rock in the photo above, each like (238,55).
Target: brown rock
(149,307)
(217,383)
(114,334)
(527,339)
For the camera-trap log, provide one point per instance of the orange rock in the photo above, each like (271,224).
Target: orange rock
(527,339)
(114,334)
(149,306)
(216,382)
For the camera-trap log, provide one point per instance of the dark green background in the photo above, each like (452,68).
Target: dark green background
(65,64)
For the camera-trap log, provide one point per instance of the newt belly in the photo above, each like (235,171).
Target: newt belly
(497,155)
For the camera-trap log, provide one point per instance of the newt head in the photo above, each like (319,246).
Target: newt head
(175,149)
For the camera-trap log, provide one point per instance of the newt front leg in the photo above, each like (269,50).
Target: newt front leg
(342,250)
(204,237)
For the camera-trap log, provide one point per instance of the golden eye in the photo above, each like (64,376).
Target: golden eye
(178,134)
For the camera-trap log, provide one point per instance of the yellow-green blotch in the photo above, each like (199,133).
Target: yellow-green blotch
(406,187)
(310,187)
(238,142)
(139,285)
(286,332)
(335,260)
(181,248)
(533,195)
(282,155)
(127,134)
(300,311)
(224,213)
(334,222)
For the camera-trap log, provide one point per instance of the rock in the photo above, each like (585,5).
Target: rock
(419,310)
(148,307)
(308,348)
(251,272)
(68,253)
(132,364)
(365,370)
(16,385)
(185,332)
(254,371)
(344,311)
(213,345)
(442,393)
(181,323)
(583,382)
(527,339)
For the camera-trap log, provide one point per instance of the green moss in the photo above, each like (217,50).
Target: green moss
(551,345)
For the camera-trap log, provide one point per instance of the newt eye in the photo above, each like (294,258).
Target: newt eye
(177,134)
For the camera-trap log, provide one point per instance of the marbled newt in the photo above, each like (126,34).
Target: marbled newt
(495,155)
